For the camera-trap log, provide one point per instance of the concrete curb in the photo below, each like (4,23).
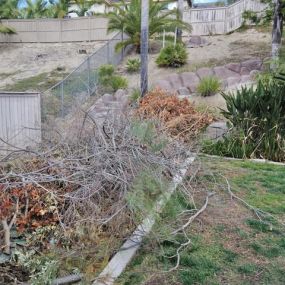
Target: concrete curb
(125,254)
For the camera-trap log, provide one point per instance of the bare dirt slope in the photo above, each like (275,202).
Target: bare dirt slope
(20,61)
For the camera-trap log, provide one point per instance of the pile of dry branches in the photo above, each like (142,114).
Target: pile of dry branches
(179,117)
(80,178)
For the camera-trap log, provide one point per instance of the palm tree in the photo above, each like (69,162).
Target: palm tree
(127,17)
(58,9)
(82,6)
(9,9)
(35,9)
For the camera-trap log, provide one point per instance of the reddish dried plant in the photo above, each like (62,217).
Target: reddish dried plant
(179,116)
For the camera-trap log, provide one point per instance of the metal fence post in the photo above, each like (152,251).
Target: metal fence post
(62,99)
(123,49)
(108,52)
(88,74)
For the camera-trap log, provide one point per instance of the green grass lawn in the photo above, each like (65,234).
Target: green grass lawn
(229,244)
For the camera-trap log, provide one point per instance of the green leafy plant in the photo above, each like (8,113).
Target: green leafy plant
(109,79)
(43,268)
(209,86)
(251,17)
(172,56)
(133,65)
(118,82)
(136,95)
(256,116)
(127,17)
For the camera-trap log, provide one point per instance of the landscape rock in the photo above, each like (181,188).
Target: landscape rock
(183,91)
(197,41)
(204,72)
(244,71)
(192,87)
(189,78)
(252,64)
(233,80)
(163,84)
(106,98)
(235,67)
(245,78)
(175,80)
(224,73)
(216,130)
(253,74)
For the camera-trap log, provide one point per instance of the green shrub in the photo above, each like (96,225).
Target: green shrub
(133,65)
(108,78)
(208,86)
(118,82)
(106,70)
(136,95)
(251,17)
(256,116)
(104,73)
(172,56)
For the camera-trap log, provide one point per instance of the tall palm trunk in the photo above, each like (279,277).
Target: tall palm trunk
(144,45)
(180,7)
(277,29)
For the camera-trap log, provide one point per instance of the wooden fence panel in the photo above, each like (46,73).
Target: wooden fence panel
(20,120)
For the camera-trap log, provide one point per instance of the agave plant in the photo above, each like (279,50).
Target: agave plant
(127,17)
(259,114)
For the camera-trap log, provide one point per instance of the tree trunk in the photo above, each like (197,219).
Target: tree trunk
(144,46)
(277,29)
(180,7)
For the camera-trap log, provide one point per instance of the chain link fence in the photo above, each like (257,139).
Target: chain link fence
(80,84)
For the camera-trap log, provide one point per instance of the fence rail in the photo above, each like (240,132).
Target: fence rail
(80,84)
(220,20)
(20,120)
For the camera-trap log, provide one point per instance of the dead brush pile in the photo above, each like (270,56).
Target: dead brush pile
(179,117)
(79,182)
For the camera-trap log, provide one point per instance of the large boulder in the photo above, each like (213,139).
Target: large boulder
(252,64)
(244,71)
(189,78)
(175,81)
(197,41)
(204,72)
(216,130)
(163,84)
(183,91)
(245,78)
(233,81)
(235,67)
(224,73)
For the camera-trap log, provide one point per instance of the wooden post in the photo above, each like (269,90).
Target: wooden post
(144,46)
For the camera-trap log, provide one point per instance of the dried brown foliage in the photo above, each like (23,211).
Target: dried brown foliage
(179,116)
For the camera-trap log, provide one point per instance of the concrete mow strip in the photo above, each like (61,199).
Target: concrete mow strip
(125,254)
